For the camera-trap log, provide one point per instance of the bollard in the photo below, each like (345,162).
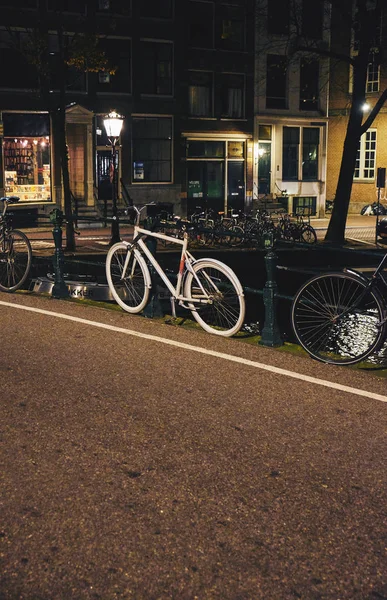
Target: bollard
(153,308)
(59,289)
(270,333)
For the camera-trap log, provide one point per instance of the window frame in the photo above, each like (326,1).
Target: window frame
(361,157)
(138,159)
(299,161)
(156,64)
(276,102)
(210,88)
(226,80)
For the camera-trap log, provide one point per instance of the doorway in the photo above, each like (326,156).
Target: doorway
(205,186)
(235,186)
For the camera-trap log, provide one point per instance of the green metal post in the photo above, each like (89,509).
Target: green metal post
(60,289)
(271,335)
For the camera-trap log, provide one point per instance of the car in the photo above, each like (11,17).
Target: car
(382,230)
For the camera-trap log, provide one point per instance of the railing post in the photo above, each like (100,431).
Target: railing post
(60,289)
(271,335)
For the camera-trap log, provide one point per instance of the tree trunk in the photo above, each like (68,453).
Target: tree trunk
(64,154)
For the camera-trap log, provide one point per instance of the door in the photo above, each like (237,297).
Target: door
(264,168)
(205,185)
(235,186)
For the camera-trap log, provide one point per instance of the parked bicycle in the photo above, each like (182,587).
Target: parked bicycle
(15,251)
(206,287)
(341,318)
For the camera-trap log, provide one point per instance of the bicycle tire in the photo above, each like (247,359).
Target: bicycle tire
(225,313)
(131,293)
(336,321)
(15,260)
(308,235)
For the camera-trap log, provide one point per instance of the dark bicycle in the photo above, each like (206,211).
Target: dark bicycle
(15,251)
(341,318)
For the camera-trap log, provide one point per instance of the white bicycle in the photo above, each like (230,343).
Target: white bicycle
(206,287)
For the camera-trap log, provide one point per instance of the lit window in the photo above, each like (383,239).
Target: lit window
(200,94)
(373,77)
(366,156)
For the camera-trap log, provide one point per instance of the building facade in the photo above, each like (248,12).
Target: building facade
(372,151)
(291,103)
(181,72)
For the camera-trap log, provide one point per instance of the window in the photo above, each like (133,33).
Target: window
(310,144)
(152,149)
(276,81)
(118,53)
(366,156)
(200,94)
(232,28)
(73,6)
(201,24)
(278,16)
(157,68)
(17,4)
(232,96)
(309,84)
(298,140)
(290,153)
(205,149)
(312,19)
(75,78)
(305,205)
(157,9)
(373,77)
(13,62)
(118,7)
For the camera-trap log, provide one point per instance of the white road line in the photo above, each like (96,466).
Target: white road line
(229,357)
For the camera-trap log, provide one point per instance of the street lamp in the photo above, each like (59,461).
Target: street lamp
(113,125)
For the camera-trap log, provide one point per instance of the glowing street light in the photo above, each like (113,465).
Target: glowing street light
(113,124)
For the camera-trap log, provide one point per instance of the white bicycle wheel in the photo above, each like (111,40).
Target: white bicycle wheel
(130,289)
(212,281)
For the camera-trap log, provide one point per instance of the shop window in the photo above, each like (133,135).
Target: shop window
(201,24)
(305,205)
(156,73)
(200,94)
(233,87)
(309,84)
(300,153)
(205,149)
(278,16)
(312,19)
(118,54)
(14,62)
(26,150)
(276,81)
(366,156)
(232,28)
(152,149)
(156,9)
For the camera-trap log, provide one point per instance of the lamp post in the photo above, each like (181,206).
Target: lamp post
(113,125)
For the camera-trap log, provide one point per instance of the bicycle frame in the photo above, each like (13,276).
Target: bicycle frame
(185,264)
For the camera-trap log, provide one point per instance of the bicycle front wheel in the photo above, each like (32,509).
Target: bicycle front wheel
(337,319)
(129,286)
(220,304)
(308,235)
(15,260)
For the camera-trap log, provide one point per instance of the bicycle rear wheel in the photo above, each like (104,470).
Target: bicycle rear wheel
(130,289)
(337,320)
(224,311)
(15,260)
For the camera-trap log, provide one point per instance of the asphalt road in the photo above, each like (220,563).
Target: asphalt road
(141,460)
